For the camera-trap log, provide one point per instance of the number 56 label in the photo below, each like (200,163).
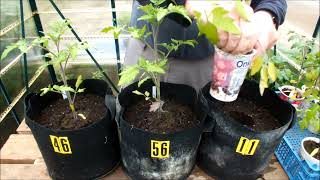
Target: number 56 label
(60,144)
(160,149)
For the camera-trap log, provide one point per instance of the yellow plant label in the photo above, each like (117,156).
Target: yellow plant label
(160,149)
(61,144)
(247,146)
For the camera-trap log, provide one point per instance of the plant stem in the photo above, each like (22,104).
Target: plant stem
(71,104)
(155,29)
(301,66)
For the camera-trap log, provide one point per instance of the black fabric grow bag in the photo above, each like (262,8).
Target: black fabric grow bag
(85,153)
(137,146)
(217,152)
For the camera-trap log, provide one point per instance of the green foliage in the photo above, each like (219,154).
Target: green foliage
(115,30)
(128,74)
(217,19)
(241,10)
(311,118)
(97,75)
(222,21)
(58,57)
(155,14)
(268,71)
(151,69)
(146,94)
(57,29)
(175,44)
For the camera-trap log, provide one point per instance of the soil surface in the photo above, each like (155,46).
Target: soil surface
(251,115)
(176,117)
(59,116)
(310,146)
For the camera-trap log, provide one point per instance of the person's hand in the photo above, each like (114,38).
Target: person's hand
(267,32)
(259,33)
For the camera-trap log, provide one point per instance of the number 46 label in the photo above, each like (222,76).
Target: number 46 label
(160,149)
(60,144)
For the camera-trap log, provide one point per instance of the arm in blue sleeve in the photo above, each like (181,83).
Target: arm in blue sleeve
(278,8)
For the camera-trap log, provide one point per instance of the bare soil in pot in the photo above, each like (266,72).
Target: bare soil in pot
(251,115)
(176,117)
(310,146)
(58,116)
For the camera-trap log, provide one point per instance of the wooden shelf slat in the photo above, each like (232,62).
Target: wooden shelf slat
(20,149)
(23,128)
(20,158)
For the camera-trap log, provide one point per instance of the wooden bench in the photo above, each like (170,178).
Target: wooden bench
(20,158)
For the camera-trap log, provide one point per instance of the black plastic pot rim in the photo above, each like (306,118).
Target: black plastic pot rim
(68,130)
(142,130)
(171,133)
(259,132)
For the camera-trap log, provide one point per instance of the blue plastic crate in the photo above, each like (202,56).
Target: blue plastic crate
(288,154)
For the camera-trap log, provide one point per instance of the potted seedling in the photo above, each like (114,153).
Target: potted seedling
(310,152)
(159,126)
(244,126)
(307,54)
(72,126)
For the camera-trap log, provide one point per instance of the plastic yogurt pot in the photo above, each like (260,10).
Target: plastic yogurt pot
(228,74)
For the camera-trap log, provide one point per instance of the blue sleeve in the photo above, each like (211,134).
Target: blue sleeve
(278,8)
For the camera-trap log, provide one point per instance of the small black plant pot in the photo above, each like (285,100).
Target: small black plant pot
(230,150)
(147,155)
(84,153)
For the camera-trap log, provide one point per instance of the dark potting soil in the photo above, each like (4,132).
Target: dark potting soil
(176,117)
(310,146)
(59,116)
(251,115)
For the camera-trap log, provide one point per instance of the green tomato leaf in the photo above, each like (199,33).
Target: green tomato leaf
(137,93)
(8,50)
(66,88)
(81,90)
(272,72)
(154,68)
(163,63)
(137,33)
(223,22)
(150,13)
(142,81)
(206,28)
(23,45)
(107,29)
(73,50)
(146,93)
(179,10)
(162,13)
(61,56)
(79,81)
(241,10)
(115,30)
(142,62)
(128,75)
(45,90)
(256,65)
(263,80)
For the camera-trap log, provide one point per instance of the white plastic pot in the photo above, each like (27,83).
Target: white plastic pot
(294,101)
(312,162)
(228,74)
